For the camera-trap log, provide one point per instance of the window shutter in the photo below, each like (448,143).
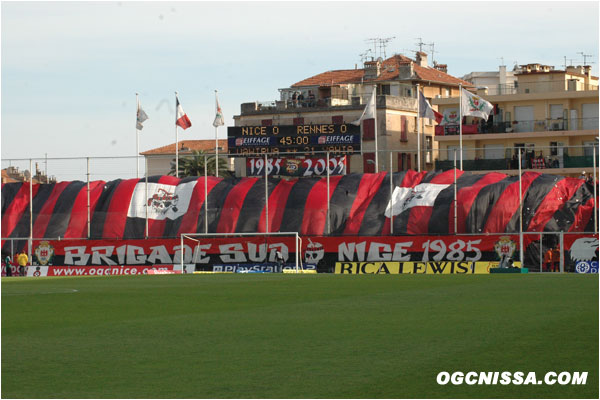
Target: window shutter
(369,129)
(369,167)
(403,129)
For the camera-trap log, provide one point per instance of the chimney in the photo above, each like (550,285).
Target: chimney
(422,59)
(441,67)
(406,70)
(372,69)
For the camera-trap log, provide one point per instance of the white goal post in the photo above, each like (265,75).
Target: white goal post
(197,237)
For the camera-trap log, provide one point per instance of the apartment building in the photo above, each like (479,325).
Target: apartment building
(339,97)
(551,115)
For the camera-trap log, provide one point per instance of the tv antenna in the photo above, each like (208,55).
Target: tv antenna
(585,56)
(381,44)
(421,43)
(363,56)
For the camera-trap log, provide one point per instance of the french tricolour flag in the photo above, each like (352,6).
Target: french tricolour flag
(182,119)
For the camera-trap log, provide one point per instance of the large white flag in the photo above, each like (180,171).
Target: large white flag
(219,120)
(141,117)
(405,198)
(475,106)
(369,111)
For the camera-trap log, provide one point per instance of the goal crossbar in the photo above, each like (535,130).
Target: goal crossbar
(297,242)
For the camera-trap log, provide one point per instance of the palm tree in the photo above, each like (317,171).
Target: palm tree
(194,165)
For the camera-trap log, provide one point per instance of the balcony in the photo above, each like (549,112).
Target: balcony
(540,87)
(557,160)
(351,103)
(546,125)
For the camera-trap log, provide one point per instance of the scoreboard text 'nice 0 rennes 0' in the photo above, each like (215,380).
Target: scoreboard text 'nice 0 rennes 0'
(305,139)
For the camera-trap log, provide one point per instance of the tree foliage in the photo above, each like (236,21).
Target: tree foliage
(193,165)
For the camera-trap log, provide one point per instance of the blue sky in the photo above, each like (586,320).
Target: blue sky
(70,70)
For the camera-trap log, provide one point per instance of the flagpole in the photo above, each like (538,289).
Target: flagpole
(216,142)
(266,196)
(147,196)
(594,181)
(418,130)
(137,138)
(375,120)
(520,213)
(328,197)
(205,195)
(176,141)
(391,193)
(455,203)
(460,146)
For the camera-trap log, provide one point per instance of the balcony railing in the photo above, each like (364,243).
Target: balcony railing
(508,163)
(540,87)
(559,124)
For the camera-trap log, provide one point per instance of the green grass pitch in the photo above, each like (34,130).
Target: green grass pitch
(294,336)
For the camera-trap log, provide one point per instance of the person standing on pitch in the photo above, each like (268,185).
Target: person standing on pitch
(22,260)
(7,265)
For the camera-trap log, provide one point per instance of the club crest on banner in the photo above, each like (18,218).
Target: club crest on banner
(450,117)
(44,253)
(505,247)
(475,104)
(161,201)
(292,166)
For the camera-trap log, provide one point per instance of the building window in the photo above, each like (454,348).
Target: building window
(384,90)
(337,119)
(428,149)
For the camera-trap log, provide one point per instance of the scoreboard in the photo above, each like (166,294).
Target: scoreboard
(248,141)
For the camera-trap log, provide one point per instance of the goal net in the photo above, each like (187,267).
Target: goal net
(241,252)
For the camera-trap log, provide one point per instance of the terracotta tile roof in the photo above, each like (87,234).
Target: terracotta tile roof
(332,78)
(389,71)
(186,147)
(6,178)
